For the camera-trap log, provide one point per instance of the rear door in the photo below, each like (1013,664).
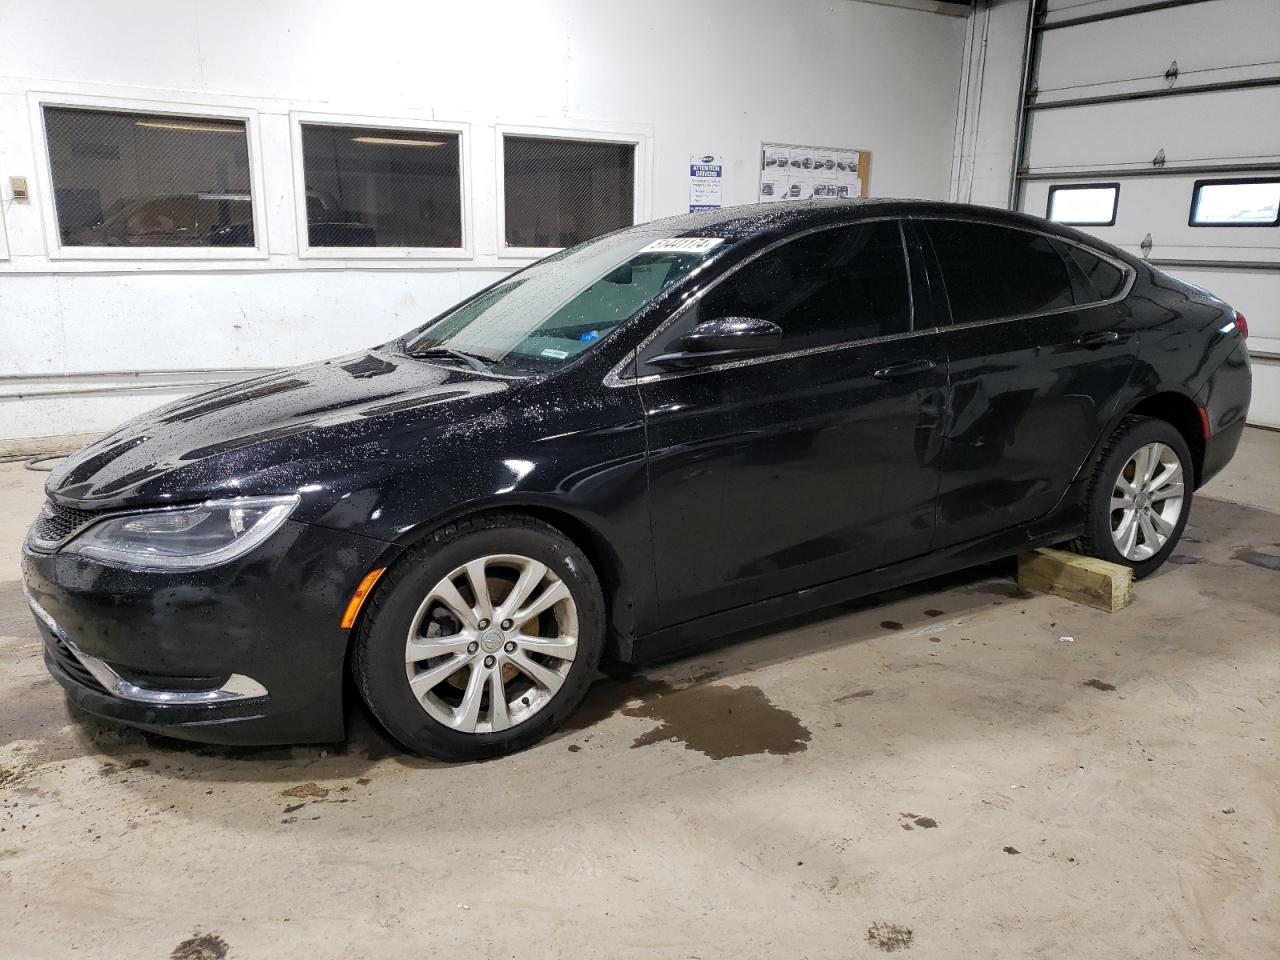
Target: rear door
(1038,352)
(784,471)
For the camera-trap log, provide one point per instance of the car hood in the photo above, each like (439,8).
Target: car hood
(273,434)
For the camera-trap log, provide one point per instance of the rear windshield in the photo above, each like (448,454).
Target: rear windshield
(562,306)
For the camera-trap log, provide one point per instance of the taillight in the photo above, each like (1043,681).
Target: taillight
(1242,325)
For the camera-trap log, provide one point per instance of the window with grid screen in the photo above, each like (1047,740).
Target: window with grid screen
(375,187)
(125,179)
(558,192)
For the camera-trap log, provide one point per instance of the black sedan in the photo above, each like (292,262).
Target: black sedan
(663,434)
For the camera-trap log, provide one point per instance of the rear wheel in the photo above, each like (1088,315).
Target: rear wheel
(482,641)
(1140,496)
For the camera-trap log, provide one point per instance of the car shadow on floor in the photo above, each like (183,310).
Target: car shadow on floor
(1241,536)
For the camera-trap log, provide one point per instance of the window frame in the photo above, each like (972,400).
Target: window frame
(4,237)
(1130,273)
(164,109)
(640,140)
(619,375)
(297,118)
(1115,203)
(1226,182)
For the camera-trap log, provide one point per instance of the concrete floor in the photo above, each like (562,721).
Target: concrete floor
(935,772)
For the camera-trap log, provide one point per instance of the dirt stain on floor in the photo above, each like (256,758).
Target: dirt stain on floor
(203,946)
(721,722)
(1099,684)
(889,936)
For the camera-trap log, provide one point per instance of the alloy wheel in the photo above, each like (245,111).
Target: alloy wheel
(491,643)
(1146,501)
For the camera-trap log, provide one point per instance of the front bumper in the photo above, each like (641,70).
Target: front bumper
(249,652)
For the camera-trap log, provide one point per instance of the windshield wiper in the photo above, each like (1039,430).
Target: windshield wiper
(472,360)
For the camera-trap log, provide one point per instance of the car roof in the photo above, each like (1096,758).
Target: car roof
(763,222)
(787,216)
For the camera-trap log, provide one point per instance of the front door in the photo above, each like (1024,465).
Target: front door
(812,464)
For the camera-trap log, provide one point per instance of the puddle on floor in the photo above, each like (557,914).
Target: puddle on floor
(721,722)
(1267,561)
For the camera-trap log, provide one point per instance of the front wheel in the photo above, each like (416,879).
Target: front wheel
(1140,496)
(483,640)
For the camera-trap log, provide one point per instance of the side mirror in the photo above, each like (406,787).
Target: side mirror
(722,339)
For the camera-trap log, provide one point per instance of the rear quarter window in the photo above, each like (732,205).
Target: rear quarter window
(1106,279)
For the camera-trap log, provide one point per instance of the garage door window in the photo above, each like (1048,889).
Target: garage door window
(375,187)
(1236,203)
(992,272)
(1089,204)
(149,180)
(558,192)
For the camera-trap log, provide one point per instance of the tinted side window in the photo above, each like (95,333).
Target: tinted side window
(832,286)
(994,272)
(1104,278)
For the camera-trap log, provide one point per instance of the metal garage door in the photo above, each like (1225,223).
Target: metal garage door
(1153,98)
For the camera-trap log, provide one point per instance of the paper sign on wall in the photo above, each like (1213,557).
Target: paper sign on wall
(706,177)
(790,171)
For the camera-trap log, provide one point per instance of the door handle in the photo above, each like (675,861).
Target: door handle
(903,368)
(1097,338)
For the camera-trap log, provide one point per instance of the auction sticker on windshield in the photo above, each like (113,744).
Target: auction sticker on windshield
(683,245)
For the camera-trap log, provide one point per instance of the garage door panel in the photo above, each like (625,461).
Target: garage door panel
(1132,53)
(1203,127)
(1057,10)
(1161,206)
(1264,408)
(1146,84)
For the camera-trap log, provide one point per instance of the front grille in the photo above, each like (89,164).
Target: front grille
(56,523)
(70,665)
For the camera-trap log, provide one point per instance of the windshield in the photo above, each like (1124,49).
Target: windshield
(558,308)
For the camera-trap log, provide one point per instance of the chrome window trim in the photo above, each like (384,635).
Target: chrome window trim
(614,377)
(235,687)
(1130,275)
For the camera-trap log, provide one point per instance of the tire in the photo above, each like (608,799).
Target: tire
(454,715)
(1109,523)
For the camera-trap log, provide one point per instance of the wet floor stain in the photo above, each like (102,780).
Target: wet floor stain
(857,694)
(202,946)
(934,613)
(1183,558)
(1267,561)
(910,821)
(889,936)
(891,624)
(1098,684)
(721,722)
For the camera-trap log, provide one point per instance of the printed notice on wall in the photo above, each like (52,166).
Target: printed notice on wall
(706,175)
(789,171)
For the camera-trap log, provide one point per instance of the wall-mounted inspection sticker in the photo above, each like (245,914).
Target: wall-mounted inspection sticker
(683,245)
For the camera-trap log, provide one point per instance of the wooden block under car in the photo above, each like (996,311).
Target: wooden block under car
(1088,580)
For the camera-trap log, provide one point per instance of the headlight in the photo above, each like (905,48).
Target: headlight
(184,538)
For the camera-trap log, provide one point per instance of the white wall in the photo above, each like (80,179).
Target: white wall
(717,76)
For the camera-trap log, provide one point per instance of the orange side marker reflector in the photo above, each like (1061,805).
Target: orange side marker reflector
(1204,421)
(358,598)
